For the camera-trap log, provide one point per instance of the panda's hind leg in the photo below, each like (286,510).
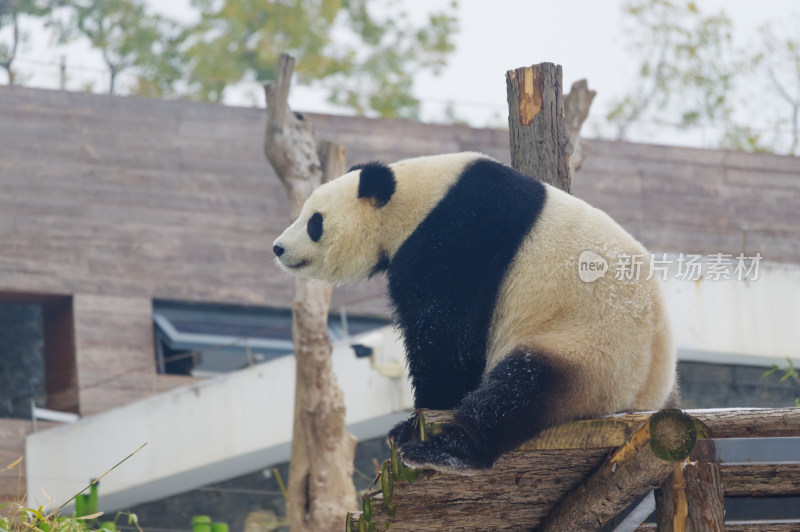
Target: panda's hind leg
(509,407)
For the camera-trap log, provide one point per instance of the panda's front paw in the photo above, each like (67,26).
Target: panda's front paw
(403,432)
(450,451)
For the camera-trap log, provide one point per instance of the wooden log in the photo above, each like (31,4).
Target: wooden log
(634,469)
(540,143)
(692,499)
(613,431)
(780,525)
(516,494)
(524,485)
(750,423)
(761,480)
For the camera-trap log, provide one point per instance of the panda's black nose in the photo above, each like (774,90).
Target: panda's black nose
(278,250)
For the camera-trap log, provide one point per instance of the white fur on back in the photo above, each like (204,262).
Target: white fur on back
(612,336)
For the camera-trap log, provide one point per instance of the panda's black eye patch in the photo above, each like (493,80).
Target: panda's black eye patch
(315,227)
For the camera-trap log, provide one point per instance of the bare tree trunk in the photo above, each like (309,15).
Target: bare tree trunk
(321,489)
(540,144)
(576,109)
(113,70)
(692,499)
(544,125)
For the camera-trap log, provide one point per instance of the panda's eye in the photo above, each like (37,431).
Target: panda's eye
(315,227)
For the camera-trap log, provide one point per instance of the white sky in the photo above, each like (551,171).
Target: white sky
(582,35)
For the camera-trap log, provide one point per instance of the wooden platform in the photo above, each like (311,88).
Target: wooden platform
(524,485)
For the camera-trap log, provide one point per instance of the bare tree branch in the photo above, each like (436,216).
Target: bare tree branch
(576,109)
(321,486)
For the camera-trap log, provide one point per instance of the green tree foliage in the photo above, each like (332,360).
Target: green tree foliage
(685,72)
(128,35)
(776,65)
(789,374)
(10,13)
(691,74)
(367,63)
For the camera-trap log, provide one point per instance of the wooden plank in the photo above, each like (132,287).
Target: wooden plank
(761,480)
(612,431)
(788,525)
(524,485)
(523,488)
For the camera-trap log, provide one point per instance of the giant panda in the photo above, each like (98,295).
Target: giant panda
(484,283)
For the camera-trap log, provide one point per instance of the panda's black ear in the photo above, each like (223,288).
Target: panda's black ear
(377,183)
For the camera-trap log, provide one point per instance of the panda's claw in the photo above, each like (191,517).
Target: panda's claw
(402,432)
(427,455)
(450,451)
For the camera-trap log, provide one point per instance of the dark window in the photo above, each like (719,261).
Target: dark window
(198,339)
(22,376)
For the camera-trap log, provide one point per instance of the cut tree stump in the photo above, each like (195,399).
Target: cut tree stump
(540,142)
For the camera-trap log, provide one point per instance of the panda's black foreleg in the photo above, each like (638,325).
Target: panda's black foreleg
(403,431)
(507,408)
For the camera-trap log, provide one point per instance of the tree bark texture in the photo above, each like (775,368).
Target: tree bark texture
(321,489)
(576,109)
(761,480)
(634,469)
(540,142)
(692,500)
(615,430)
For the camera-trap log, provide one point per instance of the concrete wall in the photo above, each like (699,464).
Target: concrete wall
(738,322)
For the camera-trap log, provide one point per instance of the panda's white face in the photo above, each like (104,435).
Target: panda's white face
(336,237)
(351,227)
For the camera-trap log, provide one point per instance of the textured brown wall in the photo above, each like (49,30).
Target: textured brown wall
(175,200)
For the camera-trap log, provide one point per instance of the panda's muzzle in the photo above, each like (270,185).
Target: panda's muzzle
(283,257)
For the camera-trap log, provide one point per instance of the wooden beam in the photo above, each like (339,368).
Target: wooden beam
(540,143)
(634,469)
(761,480)
(750,423)
(692,499)
(782,525)
(524,485)
(787,525)
(613,431)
